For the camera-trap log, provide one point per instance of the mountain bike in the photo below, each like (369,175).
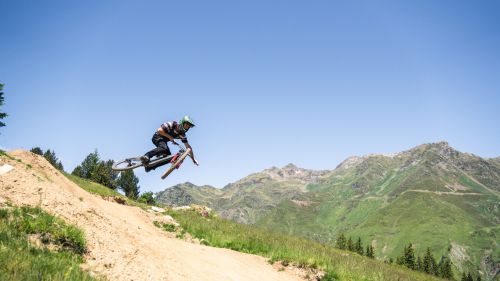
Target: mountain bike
(155,162)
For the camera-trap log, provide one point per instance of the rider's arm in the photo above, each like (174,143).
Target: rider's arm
(163,133)
(191,153)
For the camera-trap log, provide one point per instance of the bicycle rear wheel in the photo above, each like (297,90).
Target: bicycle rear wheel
(127,164)
(176,164)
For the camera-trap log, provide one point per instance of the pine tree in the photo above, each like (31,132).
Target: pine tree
(350,244)
(103,175)
(128,182)
(419,265)
(37,150)
(78,171)
(341,242)
(429,264)
(409,256)
(107,174)
(369,251)
(445,268)
(359,247)
(88,166)
(2,114)
(469,277)
(97,170)
(464,277)
(478,278)
(52,159)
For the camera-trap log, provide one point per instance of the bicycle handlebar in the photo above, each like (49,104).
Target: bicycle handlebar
(182,147)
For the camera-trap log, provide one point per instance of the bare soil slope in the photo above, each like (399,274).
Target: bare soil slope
(122,241)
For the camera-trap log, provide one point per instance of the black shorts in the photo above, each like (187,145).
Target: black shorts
(161,141)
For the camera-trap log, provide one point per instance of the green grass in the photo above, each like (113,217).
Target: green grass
(466,181)
(340,265)
(93,187)
(412,217)
(165,226)
(21,260)
(419,217)
(103,191)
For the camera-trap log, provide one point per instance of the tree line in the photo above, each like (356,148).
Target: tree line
(100,171)
(357,247)
(426,264)
(50,156)
(468,277)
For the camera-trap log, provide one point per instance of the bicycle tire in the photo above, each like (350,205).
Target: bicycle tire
(177,162)
(132,163)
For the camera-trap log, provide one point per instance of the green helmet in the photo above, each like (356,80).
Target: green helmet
(186,119)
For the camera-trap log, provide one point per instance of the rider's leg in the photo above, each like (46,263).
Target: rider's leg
(161,147)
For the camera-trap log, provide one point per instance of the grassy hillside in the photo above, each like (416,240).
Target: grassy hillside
(339,265)
(103,191)
(37,246)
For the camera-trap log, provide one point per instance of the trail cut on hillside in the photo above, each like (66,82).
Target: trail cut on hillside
(122,241)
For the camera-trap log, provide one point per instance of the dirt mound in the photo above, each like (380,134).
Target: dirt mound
(123,242)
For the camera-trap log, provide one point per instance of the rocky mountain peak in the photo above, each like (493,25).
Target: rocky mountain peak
(415,154)
(350,162)
(290,166)
(184,184)
(291,171)
(441,148)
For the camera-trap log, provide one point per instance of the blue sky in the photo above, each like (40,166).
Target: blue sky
(268,82)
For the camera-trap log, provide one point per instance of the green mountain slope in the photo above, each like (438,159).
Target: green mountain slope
(431,195)
(248,199)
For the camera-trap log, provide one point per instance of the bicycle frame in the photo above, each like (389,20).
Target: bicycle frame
(169,159)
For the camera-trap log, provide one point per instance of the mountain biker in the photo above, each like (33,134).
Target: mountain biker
(169,131)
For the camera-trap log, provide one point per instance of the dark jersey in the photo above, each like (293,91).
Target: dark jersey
(172,129)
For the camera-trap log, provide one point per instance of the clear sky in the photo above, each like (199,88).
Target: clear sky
(268,82)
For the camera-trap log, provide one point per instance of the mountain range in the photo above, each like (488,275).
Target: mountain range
(432,196)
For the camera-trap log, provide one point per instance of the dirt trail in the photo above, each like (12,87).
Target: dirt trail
(445,192)
(122,241)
